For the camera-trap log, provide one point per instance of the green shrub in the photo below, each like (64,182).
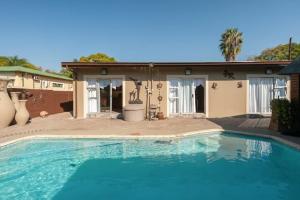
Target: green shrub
(286,114)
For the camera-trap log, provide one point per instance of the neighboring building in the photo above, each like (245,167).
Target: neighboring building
(210,89)
(26,78)
(293,69)
(48,92)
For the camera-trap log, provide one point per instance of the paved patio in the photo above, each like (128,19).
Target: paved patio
(63,124)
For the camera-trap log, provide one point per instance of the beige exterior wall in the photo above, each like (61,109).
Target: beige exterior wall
(26,81)
(227,99)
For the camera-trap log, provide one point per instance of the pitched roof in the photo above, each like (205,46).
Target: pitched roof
(292,68)
(174,64)
(32,71)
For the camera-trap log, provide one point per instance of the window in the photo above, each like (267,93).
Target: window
(44,84)
(262,90)
(280,88)
(174,95)
(58,85)
(92,96)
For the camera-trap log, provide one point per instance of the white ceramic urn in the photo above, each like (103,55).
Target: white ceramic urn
(7,108)
(22,115)
(15,99)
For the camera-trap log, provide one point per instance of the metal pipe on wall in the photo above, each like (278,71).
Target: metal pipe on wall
(75,78)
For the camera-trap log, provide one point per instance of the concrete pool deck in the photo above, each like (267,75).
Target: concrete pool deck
(63,126)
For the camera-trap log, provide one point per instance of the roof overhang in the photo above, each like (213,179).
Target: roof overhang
(292,68)
(75,65)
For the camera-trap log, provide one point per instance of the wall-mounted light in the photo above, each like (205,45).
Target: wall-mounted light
(269,71)
(188,71)
(104,71)
(239,84)
(214,85)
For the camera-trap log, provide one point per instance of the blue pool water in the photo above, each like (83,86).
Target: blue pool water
(215,166)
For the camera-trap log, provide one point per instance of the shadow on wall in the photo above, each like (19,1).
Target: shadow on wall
(67,106)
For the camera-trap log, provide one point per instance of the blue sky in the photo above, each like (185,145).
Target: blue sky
(48,32)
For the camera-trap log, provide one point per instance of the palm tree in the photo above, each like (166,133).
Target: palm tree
(231,43)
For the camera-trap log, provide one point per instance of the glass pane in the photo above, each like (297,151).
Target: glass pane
(173,105)
(92,96)
(260,95)
(104,86)
(280,82)
(173,92)
(173,83)
(117,99)
(280,93)
(92,83)
(199,95)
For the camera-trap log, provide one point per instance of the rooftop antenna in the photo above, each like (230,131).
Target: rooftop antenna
(290,49)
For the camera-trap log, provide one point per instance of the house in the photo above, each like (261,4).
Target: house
(26,78)
(293,69)
(204,89)
(48,92)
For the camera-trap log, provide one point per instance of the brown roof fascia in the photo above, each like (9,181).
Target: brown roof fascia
(174,64)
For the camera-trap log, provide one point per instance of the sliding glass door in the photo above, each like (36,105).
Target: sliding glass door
(104,95)
(261,92)
(186,96)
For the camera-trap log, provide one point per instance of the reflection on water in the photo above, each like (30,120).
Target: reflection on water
(214,146)
(46,165)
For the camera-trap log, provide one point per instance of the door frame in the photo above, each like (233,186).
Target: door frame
(104,77)
(205,77)
(248,76)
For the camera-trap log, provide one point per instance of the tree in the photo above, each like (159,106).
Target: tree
(231,43)
(280,52)
(98,57)
(16,61)
(66,72)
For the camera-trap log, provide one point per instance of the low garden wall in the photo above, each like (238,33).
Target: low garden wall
(48,100)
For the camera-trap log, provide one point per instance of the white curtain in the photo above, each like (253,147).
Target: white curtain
(174,96)
(260,95)
(92,96)
(186,96)
(116,83)
(181,95)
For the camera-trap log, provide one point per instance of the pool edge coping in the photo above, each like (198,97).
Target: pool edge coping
(169,136)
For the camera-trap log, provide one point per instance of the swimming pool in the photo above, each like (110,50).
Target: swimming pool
(210,166)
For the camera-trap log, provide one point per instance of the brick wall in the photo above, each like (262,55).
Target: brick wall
(48,100)
(295,86)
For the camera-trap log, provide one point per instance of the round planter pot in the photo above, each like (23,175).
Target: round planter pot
(7,107)
(22,115)
(160,115)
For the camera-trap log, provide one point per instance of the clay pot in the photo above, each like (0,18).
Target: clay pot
(7,107)
(15,99)
(22,115)
(160,115)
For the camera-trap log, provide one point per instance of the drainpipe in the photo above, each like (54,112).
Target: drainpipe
(75,78)
(147,97)
(151,88)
